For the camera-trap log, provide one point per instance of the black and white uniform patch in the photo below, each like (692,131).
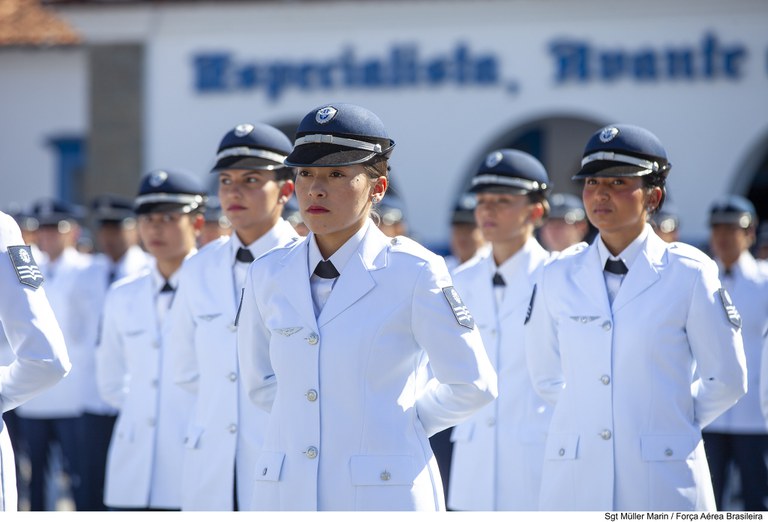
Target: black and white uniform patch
(730,309)
(460,310)
(26,268)
(530,306)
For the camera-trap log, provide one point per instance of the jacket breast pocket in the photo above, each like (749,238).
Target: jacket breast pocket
(668,447)
(382,470)
(269,465)
(562,446)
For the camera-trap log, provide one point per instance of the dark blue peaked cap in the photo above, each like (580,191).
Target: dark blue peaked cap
(252,146)
(50,211)
(111,208)
(732,210)
(622,150)
(510,171)
(165,190)
(339,134)
(567,207)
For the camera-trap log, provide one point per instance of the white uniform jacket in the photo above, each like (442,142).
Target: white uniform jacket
(89,299)
(748,287)
(144,463)
(498,453)
(66,400)
(635,383)
(350,424)
(226,429)
(40,355)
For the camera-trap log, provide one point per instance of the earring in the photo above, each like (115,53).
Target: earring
(375,199)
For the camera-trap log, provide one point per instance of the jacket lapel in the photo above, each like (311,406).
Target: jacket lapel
(588,278)
(293,279)
(356,280)
(644,272)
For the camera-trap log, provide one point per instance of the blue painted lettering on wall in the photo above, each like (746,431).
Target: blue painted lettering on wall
(402,67)
(579,61)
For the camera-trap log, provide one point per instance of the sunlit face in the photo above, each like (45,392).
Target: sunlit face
(466,239)
(53,239)
(114,239)
(616,206)
(557,234)
(504,217)
(167,236)
(335,202)
(729,241)
(250,199)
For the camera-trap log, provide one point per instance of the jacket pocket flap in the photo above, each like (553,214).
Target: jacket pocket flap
(382,470)
(192,437)
(269,465)
(562,446)
(668,447)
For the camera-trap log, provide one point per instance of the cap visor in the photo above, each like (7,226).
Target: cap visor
(247,163)
(326,155)
(610,169)
(498,189)
(149,208)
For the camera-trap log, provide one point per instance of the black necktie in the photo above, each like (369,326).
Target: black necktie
(326,270)
(616,267)
(244,255)
(498,280)
(166,288)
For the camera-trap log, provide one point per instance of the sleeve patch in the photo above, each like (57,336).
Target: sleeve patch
(730,309)
(459,309)
(530,306)
(26,268)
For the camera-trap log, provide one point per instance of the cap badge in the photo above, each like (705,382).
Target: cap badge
(244,129)
(325,115)
(608,133)
(493,159)
(158,178)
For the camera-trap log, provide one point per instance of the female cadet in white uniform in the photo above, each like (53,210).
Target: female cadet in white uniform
(134,372)
(40,355)
(331,333)
(637,359)
(498,452)
(226,430)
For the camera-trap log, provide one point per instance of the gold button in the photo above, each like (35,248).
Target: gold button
(311,452)
(668,452)
(312,395)
(605,434)
(232,428)
(313,338)
(607,326)
(605,380)
(385,475)
(232,376)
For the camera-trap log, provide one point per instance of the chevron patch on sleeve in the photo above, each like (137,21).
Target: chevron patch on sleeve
(26,268)
(460,310)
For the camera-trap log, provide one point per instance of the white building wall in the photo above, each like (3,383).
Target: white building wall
(43,95)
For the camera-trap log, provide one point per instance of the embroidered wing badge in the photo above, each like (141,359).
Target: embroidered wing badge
(26,268)
(460,310)
(730,309)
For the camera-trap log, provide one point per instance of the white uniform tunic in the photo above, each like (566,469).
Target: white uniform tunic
(498,453)
(67,398)
(634,382)
(40,356)
(144,463)
(748,287)
(226,429)
(349,421)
